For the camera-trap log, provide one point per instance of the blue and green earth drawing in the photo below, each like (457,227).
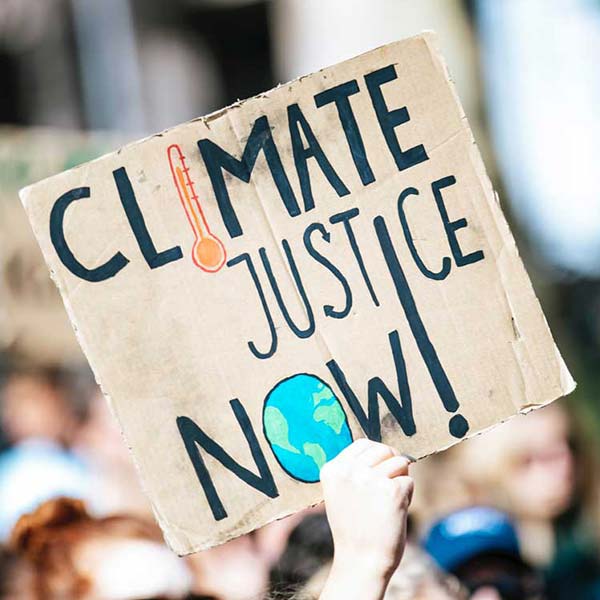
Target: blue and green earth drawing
(305,425)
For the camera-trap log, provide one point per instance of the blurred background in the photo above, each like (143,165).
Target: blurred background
(527,74)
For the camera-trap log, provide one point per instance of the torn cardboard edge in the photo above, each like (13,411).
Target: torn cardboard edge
(176,536)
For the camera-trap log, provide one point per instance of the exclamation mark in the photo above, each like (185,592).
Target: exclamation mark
(458,425)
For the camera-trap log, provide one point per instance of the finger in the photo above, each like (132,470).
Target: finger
(408,485)
(396,466)
(354,449)
(375,454)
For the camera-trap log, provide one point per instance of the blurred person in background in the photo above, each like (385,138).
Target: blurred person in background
(416,578)
(419,578)
(111,471)
(232,571)
(536,468)
(240,568)
(479,546)
(61,552)
(39,423)
(236,570)
(273,538)
(306,557)
(35,406)
(14,577)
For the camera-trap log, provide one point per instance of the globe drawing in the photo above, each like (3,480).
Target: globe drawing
(305,425)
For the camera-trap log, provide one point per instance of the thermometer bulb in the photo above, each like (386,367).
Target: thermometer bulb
(208,252)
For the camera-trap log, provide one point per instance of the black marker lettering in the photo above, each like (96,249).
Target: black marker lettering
(138,224)
(57,235)
(297,121)
(402,412)
(344,217)
(261,295)
(458,424)
(328,309)
(310,329)
(339,95)
(193,437)
(446,262)
(451,227)
(216,159)
(390,119)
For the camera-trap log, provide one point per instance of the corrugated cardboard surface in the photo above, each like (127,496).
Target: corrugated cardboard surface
(172,341)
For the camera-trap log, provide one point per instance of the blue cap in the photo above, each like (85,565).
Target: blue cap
(470,532)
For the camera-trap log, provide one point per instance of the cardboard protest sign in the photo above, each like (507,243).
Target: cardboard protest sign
(256,288)
(33,323)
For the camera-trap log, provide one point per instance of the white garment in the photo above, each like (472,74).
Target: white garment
(35,471)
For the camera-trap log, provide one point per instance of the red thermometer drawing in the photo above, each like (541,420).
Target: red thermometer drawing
(208,251)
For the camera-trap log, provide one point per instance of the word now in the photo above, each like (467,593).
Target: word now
(399,405)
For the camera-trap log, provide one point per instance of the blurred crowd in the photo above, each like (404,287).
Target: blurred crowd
(511,514)
(514,511)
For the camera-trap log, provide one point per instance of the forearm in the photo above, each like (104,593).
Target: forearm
(355,580)
(367,492)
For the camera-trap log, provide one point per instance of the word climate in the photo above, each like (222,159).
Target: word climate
(303,421)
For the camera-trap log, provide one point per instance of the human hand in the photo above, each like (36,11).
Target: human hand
(367,492)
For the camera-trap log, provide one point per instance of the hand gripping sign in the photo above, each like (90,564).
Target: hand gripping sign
(259,287)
